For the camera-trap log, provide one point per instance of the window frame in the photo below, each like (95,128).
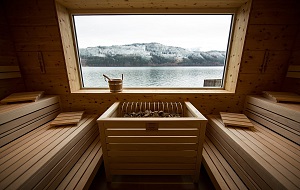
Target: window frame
(241,9)
(145,88)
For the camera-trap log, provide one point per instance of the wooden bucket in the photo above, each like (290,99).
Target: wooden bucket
(115,85)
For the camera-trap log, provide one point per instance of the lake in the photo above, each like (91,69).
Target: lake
(190,77)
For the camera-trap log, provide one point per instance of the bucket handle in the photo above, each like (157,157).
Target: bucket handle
(106,77)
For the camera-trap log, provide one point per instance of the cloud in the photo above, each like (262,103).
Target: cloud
(209,32)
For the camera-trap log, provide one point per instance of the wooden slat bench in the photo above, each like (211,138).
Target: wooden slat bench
(262,158)
(50,157)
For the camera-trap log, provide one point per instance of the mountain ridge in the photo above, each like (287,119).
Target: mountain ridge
(148,54)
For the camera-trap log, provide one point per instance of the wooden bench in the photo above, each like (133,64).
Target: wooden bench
(260,157)
(44,156)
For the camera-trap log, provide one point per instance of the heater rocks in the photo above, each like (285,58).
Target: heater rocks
(149,113)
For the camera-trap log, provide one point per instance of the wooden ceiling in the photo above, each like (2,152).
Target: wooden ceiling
(149,4)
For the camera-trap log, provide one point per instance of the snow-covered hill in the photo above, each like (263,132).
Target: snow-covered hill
(148,54)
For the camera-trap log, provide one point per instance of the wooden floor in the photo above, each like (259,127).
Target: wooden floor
(150,182)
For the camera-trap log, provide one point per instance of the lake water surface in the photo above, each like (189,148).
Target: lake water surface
(190,77)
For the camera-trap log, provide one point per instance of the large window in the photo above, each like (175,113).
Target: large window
(156,51)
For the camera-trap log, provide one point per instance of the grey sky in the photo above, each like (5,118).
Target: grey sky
(204,32)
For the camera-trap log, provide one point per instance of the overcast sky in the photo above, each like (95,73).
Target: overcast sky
(204,32)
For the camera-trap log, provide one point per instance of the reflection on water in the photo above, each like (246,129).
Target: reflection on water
(152,76)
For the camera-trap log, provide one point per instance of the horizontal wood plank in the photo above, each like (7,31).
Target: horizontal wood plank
(149,166)
(11,112)
(279,118)
(10,75)
(27,118)
(152,172)
(25,128)
(147,146)
(291,111)
(153,139)
(187,153)
(159,132)
(149,159)
(162,122)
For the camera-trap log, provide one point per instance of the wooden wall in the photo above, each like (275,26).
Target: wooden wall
(8,59)
(269,43)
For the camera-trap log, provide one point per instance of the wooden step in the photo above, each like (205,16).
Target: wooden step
(283,118)
(218,169)
(18,119)
(276,164)
(26,161)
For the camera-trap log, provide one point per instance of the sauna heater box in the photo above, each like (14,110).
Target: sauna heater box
(143,143)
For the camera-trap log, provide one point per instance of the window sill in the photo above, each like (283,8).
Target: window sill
(155,91)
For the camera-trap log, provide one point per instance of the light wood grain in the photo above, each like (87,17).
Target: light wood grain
(247,175)
(152,4)
(282,118)
(153,146)
(70,57)
(160,132)
(185,153)
(238,120)
(128,145)
(67,118)
(23,97)
(66,137)
(19,119)
(153,172)
(59,172)
(152,166)
(281,96)
(262,158)
(148,159)
(219,165)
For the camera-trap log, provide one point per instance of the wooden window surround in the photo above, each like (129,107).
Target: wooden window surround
(241,9)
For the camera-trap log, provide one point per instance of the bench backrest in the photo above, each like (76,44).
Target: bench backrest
(283,118)
(18,119)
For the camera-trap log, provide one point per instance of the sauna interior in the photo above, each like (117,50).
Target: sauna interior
(38,53)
